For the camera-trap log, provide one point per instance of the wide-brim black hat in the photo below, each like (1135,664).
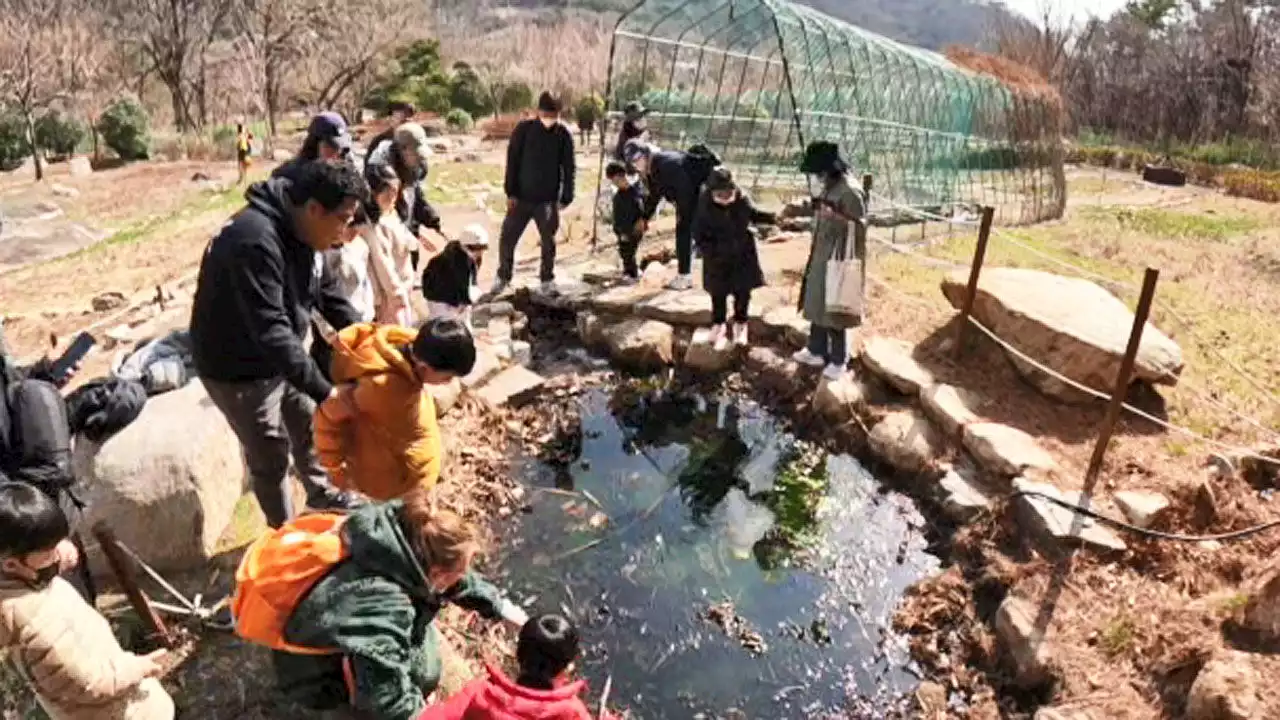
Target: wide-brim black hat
(822,157)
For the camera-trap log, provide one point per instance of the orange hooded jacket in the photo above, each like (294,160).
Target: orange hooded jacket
(392,445)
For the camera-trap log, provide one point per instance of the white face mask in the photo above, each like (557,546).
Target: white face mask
(633,179)
(640,124)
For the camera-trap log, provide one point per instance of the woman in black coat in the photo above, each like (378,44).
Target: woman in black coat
(730,263)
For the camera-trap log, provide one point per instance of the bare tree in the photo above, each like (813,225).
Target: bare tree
(46,57)
(274,35)
(174,36)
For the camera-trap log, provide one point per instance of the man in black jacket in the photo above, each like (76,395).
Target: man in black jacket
(676,177)
(539,185)
(260,280)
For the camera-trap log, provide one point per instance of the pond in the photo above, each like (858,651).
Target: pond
(715,565)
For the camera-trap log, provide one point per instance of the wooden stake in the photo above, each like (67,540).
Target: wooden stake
(123,570)
(975,270)
(1121,389)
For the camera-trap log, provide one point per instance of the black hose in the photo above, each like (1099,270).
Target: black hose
(1235,535)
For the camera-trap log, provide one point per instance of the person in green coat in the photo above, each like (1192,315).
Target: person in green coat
(407,560)
(839,216)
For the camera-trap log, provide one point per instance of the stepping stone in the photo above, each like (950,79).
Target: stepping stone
(1141,508)
(1007,451)
(678,307)
(891,360)
(622,299)
(1050,524)
(487,365)
(704,356)
(643,345)
(512,386)
(590,329)
(570,294)
(446,395)
(777,373)
(949,406)
(784,323)
(839,400)
(1027,650)
(962,498)
(907,441)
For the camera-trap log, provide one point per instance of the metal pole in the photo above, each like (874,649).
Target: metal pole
(1121,389)
(123,570)
(971,293)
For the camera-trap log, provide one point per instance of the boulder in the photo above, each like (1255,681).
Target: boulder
(1262,611)
(521,353)
(1071,325)
(907,441)
(891,361)
(961,496)
(1226,689)
(678,307)
(446,395)
(1007,451)
(1054,526)
(704,355)
(590,329)
(773,371)
(644,345)
(569,294)
(64,191)
(657,275)
(487,365)
(1028,652)
(800,207)
(108,301)
(80,167)
(949,406)
(839,400)
(1141,508)
(169,482)
(622,299)
(784,324)
(513,386)
(931,700)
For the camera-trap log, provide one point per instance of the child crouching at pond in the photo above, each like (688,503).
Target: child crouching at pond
(730,263)
(378,435)
(546,652)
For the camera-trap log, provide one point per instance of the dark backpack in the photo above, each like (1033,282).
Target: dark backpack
(702,160)
(38,447)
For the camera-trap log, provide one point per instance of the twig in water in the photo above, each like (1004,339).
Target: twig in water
(671,649)
(604,696)
(587,494)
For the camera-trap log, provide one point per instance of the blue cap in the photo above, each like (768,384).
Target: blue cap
(331,127)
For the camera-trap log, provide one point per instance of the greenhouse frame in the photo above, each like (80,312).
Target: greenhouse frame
(756,80)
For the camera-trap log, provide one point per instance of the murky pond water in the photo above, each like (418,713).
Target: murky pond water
(674,506)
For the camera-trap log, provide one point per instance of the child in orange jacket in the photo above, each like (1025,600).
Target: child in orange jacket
(378,436)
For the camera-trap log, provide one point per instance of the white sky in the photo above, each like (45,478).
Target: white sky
(1077,9)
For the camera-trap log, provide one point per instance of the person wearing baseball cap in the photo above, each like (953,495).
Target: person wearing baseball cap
(634,127)
(407,153)
(328,140)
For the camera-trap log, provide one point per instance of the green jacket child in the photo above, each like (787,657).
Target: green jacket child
(406,562)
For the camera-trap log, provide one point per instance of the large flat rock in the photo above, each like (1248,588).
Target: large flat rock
(1053,526)
(1071,325)
(643,345)
(705,355)
(513,386)
(907,441)
(891,360)
(1007,451)
(783,323)
(622,300)
(168,483)
(678,307)
(487,365)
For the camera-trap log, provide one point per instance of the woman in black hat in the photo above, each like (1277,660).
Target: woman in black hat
(634,127)
(730,264)
(839,221)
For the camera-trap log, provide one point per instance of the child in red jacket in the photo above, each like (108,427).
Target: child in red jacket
(546,650)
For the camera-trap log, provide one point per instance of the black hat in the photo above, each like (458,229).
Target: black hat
(548,103)
(822,157)
(720,179)
(634,110)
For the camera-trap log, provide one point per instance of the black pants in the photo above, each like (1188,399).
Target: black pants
(685,210)
(547,217)
(628,244)
(414,257)
(720,307)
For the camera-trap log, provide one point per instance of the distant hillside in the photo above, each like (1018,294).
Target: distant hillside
(931,24)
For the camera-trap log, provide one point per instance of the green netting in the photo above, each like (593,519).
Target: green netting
(758,79)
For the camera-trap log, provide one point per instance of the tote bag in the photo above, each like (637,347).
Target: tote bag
(844,281)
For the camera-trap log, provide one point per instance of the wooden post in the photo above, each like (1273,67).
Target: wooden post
(867,182)
(1121,388)
(123,570)
(975,270)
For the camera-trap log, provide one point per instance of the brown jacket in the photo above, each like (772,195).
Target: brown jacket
(66,652)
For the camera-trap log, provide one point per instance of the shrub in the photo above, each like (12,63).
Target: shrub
(589,111)
(125,128)
(430,97)
(515,96)
(501,127)
(1264,186)
(14,147)
(58,134)
(459,120)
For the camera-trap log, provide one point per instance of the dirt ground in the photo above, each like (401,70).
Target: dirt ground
(1135,628)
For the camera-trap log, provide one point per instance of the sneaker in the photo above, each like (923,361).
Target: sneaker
(740,335)
(834,372)
(628,279)
(719,336)
(681,282)
(548,287)
(804,357)
(499,287)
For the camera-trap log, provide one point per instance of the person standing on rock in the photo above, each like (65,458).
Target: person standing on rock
(406,153)
(539,186)
(258,283)
(391,249)
(628,217)
(839,217)
(676,177)
(730,262)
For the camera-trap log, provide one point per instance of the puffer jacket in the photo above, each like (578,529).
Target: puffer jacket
(65,650)
(393,446)
(498,698)
(730,262)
